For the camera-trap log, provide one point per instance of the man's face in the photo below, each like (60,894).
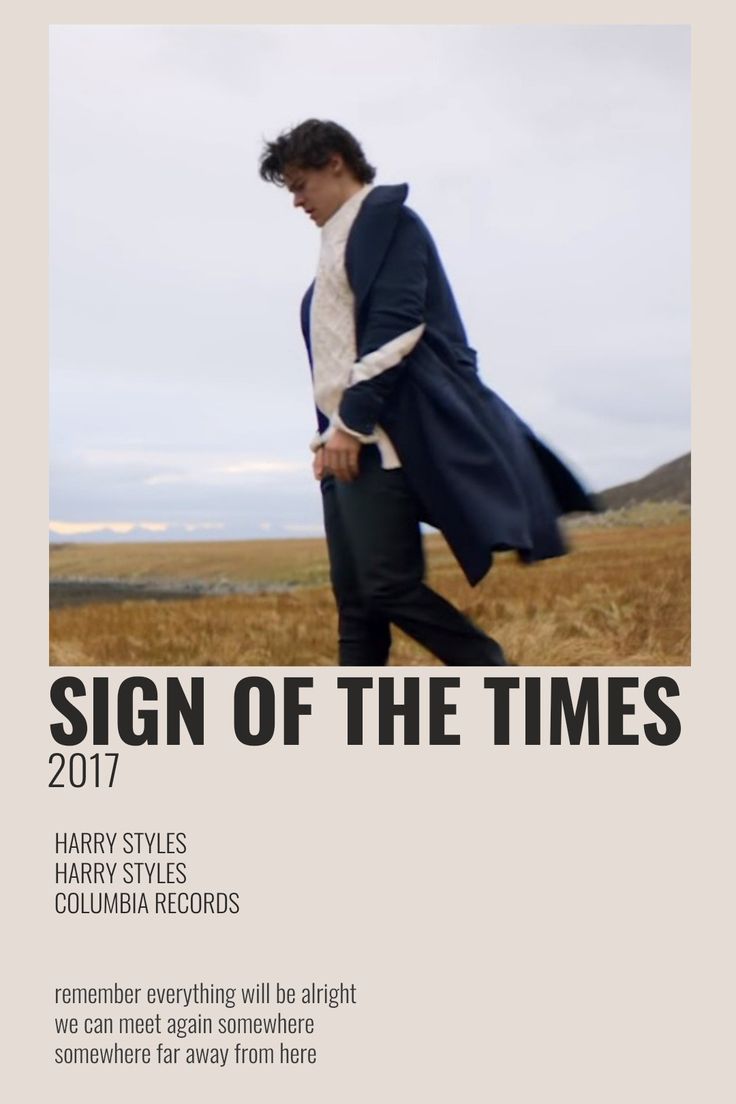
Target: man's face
(319,192)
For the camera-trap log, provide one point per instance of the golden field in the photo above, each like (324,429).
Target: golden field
(622,598)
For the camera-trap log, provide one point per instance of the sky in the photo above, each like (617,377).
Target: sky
(551,164)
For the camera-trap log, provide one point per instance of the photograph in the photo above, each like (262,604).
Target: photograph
(369,345)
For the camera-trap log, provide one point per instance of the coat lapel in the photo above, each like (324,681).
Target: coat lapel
(367,244)
(306,306)
(370,237)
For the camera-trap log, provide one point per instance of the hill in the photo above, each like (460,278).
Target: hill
(668,483)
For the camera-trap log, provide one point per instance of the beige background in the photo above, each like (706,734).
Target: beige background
(523,924)
(520,922)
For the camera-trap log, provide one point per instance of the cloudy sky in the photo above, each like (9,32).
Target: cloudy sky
(550,163)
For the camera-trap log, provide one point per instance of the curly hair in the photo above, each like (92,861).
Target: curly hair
(310,145)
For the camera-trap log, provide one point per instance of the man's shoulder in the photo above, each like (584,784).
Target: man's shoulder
(410,218)
(412,230)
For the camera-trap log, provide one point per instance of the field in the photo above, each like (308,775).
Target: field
(621,599)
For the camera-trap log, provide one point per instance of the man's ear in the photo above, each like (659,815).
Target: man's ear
(336,164)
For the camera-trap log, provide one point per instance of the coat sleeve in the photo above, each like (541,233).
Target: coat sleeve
(391,324)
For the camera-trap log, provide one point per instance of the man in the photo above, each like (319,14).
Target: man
(407,432)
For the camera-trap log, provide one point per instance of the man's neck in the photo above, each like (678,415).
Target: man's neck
(337,219)
(352,188)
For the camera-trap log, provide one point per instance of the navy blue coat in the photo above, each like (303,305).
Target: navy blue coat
(481,476)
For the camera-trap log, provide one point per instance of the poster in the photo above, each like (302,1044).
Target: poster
(331,915)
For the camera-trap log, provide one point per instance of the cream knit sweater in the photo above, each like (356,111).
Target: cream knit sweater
(332,333)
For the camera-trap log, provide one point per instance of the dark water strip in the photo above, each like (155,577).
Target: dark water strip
(82,592)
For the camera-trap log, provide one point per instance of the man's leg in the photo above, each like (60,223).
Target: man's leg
(380,524)
(364,636)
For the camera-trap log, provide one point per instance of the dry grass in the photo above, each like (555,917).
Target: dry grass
(258,561)
(621,599)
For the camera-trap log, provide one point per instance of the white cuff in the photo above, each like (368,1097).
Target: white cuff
(336,422)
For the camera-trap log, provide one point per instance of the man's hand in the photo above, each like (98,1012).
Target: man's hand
(318,463)
(340,455)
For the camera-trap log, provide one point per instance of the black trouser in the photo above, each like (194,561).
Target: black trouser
(377,572)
